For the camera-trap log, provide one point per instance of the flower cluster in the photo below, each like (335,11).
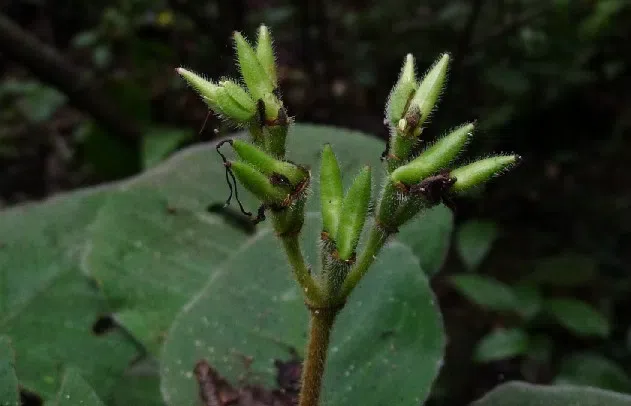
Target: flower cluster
(414,182)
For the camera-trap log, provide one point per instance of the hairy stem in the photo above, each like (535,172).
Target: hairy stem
(313,368)
(300,269)
(376,240)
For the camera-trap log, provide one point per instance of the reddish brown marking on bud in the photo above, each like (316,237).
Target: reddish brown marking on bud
(402,187)
(434,188)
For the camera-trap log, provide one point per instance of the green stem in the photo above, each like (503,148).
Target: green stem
(401,145)
(375,242)
(257,135)
(301,270)
(313,370)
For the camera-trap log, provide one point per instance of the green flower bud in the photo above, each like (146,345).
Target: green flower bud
(259,184)
(331,191)
(434,158)
(272,107)
(479,172)
(239,95)
(267,164)
(427,94)
(224,104)
(219,99)
(204,87)
(402,92)
(255,77)
(265,53)
(353,214)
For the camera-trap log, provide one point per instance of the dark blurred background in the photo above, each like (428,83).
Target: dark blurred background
(88,94)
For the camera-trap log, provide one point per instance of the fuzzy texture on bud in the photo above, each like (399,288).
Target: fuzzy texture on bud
(434,158)
(402,92)
(227,98)
(331,190)
(239,95)
(267,164)
(254,75)
(265,53)
(479,172)
(428,91)
(259,184)
(353,214)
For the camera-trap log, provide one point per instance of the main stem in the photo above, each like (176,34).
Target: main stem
(313,368)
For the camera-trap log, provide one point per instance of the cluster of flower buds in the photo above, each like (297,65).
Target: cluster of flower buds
(418,182)
(257,105)
(343,217)
(413,182)
(273,181)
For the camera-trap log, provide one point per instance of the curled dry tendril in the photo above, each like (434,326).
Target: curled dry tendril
(229,177)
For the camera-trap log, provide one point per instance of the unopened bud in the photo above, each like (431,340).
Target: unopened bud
(353,214)
(235,104)
(479,172)
(402,92)
(265,53)
(254,75)
(258,184)
(429,89)
(267,164)
(331,191)
(272,107)
(239,95)
(434,158)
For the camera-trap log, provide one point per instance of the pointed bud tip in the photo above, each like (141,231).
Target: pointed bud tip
(239,38)
(408,73)
(509,159)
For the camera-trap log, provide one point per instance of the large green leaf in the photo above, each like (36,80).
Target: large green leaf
(386,347)
(524,394)
(75,391)
(159,142)
(428,236)
(153,244)
(140,385)
(48,306)
(9,394)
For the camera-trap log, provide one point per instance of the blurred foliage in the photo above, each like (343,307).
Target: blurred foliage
(550,78)
(531,310)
